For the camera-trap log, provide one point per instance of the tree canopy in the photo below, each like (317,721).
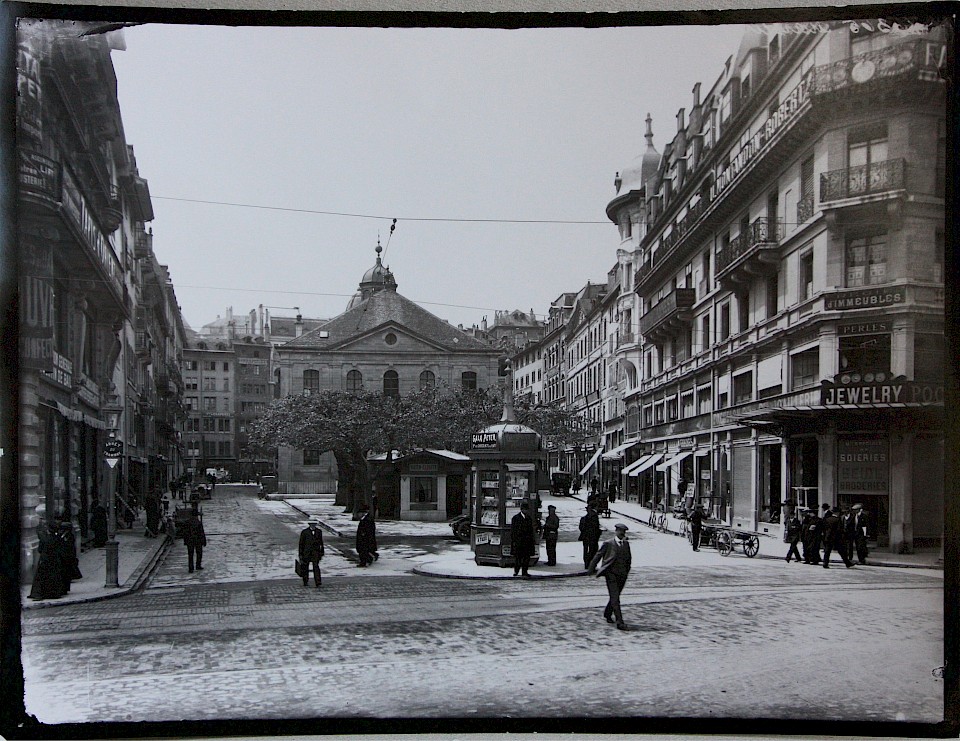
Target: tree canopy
(356,424)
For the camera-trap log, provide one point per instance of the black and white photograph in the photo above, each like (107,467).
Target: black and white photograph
(407,373)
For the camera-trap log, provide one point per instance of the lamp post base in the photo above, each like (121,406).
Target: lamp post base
(113,563)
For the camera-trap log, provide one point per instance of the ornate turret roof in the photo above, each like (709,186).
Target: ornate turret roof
(636,174)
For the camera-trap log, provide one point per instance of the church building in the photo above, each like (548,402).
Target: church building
(383,342)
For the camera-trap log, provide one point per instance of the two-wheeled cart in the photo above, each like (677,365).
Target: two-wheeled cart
(725,538)
(181,514)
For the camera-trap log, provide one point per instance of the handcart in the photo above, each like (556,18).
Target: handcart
(725,538)
(181,514)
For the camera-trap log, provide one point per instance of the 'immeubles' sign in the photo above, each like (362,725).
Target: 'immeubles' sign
(868,298)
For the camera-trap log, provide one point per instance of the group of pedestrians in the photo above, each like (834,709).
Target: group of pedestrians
(844,532)
(311,549)
(58,564)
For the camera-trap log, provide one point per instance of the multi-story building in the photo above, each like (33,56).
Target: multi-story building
(253,392)
(585,339)
(554,367)
(210,400)
(84,272)
(383,342)
(527,365)
(791,280)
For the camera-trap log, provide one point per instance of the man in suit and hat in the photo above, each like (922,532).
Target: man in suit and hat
(590,534)
(860,532)
(522,539)
(551,533)
(696,525)
(194,538)
(833,537)
(366,538)
(613,561)
(311,550)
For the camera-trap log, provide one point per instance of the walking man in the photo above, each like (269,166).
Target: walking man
(696,525)
(833,537)
(794,529)
(366,538)
(811,524)
(551,533)
(194,538)
(613,561)
(311,550)
(590,534)
(522,539)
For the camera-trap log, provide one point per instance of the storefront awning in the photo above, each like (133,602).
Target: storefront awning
(617,452)
(702,452)
(591,461)
(676,459)
(643,464)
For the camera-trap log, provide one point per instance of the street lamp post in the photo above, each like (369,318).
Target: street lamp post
(113,452)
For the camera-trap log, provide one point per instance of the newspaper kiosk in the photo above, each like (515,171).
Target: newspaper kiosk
(509,466)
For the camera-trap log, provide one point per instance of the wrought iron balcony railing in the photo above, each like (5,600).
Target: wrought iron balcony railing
(862,180)
(805,209)
(672,306)
(762,231)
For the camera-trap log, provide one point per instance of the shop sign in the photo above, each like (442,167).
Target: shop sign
(686,443)
(61,370)
(859,328)
(76,207)
(774,123)
(483,538)
(872,394)
(113,448)
(868,298)
(863,467)
(38,174)
(88,391)
(29,108)
(36,325)
(484,441)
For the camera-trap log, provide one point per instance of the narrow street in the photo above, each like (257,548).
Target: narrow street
(226,646)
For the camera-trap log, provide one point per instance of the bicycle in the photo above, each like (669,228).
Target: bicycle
(662,522)
(684,531)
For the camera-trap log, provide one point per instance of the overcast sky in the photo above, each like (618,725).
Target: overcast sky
(428,126)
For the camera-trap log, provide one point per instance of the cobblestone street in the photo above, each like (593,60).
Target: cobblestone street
(749,638)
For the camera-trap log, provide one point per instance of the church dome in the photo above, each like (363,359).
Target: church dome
(376,274)
(642,168)
(377,278)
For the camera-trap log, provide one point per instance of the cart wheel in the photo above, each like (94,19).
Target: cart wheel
(751,546)
(724,544)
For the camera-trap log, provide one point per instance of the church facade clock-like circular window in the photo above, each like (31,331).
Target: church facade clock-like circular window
(390,338)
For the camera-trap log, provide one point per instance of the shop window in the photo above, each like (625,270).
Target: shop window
(311,382)
(423,493)
(865,354)
(427,379)
(805,368)
(391,383)
(928,358)
(743,388)
(468,381)
(354,381)
(311,457)
(866,261)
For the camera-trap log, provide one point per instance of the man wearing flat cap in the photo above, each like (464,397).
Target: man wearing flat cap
(613,562)
(311,550)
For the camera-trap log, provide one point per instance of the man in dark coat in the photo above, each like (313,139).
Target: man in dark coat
(366,538)
(590,534)
(194,538)
(613,561)
(68,546)
(522,539)
(832,537)
(696,526)
(152,507)
(311,550)
(860,532)
(794,529)
(551,533)
(847,531)
(49,578)
(811,525)
(98,523)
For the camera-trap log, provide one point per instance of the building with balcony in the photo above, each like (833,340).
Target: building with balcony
(92,365)
(382,342)
(790,286)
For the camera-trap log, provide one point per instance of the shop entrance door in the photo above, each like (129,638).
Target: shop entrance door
(876,507)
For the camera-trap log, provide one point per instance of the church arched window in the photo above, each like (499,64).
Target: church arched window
(391,383)
(427,380)
(311,382)
(468,380)
(354,381)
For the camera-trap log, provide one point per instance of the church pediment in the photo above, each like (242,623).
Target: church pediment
(390,338)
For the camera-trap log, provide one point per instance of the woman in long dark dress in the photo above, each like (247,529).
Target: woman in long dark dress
(48,581)
(68,545)
(98,523)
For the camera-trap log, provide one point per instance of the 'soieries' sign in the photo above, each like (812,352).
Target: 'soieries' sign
(484,441)
(872,394)
(868,298)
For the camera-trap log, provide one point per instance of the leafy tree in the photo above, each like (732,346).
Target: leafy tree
(354,425)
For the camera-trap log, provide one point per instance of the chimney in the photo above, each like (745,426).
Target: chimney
(252,319)
(266,322)
(483,324)
(680,116)
(696,95)
(298,326)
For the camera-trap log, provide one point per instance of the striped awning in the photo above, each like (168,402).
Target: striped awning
(643,464)
(676,459)
(591,461)
(617,452)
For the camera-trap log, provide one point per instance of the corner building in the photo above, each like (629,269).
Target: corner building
(790,282)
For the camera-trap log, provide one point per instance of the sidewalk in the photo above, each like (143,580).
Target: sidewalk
(137,556)
(774,547)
